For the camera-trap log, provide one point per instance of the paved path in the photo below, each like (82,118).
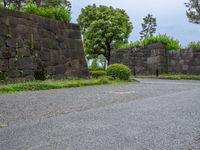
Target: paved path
(150,115)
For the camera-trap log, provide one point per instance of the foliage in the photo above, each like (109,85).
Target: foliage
(55,3)
(194,45)
(50,12)
(102,27)
(119,71)
(102,61)
(193,12)
(98,63)
(148,27)
(18,4)
(94,65)
(14,4)
(169,42)
(97,74)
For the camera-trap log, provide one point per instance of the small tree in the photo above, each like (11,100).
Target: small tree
(102,27)
(148,27)
(193,12)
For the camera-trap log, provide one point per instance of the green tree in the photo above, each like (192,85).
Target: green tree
(102,27)
(17,4)
(193,12)
(148,27)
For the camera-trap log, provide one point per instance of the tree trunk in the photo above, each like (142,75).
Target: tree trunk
(109,52)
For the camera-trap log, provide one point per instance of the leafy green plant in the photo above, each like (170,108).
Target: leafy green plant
(194,45)
(119,71)
(56,13)
(97,74)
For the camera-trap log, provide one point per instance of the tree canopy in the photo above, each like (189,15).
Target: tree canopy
(193,12)
(102,27)
(148,27)
(17,4)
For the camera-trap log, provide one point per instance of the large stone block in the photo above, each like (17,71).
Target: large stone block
(3,64)
(26,63)
(12,63)
(60,69)
(13,73)
(5,52)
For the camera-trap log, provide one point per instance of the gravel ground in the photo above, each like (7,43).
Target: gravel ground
(150,115)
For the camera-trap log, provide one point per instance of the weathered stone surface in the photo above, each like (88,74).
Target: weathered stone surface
(12,63)
(3,64)
(24,52)
(60,69)
(13,73)
(29,43)
(26,63)
(155,58)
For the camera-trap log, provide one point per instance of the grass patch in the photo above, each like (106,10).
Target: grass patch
(172,76)
(52,84)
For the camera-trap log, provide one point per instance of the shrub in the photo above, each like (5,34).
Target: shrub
(169,42)
(97,74)
(194,45)
(119,71)
(56,13)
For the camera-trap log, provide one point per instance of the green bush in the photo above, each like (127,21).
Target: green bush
(119,71)
(194,45)
(97,74)
(56,13)
(169,42)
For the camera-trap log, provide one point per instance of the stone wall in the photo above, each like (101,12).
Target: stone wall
(33,46)
(184,61)
(154,58)
(147,60)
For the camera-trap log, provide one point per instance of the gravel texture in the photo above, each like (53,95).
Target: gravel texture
(150,115)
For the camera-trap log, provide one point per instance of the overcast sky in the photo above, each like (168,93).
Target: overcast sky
(170,15)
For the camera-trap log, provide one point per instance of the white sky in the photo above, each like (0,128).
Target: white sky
(170,14)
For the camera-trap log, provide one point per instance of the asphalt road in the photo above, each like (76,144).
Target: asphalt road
(150,115)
